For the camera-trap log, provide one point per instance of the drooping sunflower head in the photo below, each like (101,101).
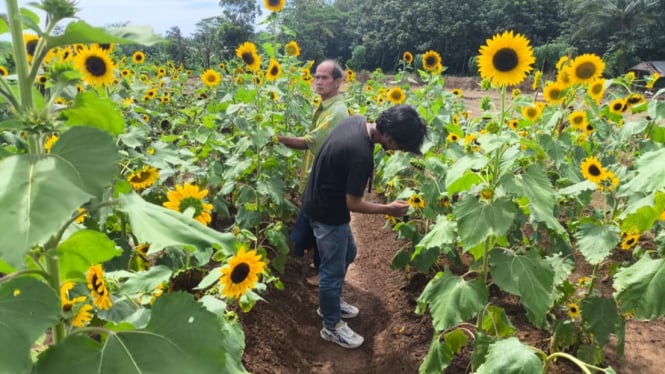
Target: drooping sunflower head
(189,197)
(211,78)
(292,49)
(407,57)
(138,57)
(247,52)
(396,95)
(241,273)
(587,67)
(274,5)
(416,201)
(95,65)
(274,70)
(506,59)
(97,287)
(350,76)
(431,61)
(48,144)
(635,99)
(629,239)
(593,170)
(143,178)
(536,79)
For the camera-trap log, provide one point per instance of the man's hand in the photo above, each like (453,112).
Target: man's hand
(397,208)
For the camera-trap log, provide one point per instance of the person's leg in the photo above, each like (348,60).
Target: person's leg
(331,242)
(301,235)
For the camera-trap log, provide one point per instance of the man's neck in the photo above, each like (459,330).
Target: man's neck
(328,97)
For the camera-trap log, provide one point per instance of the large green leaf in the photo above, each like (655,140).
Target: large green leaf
(438,357)
(181,337)
(81,32)
(452,299)
(443,232)
(83,249)
(595,241)
(91,110)
(537,187)
(27,308)
(528,276)
(39,193)
(146,281)
(601,317)
(462,168)
(639,288)
(478,220)
(162,227)
(510,356)
(650,174)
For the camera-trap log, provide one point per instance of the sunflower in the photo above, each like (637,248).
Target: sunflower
(513,123)
(97,287)
(596,90)
(457,92)
(431,61)
(106,47)
(48,144)
(407,57)
(396,95)
(506,59)
(487,194)
(247,52)
(536,79)
(30,41)
(211,78)
(610,182)
(83,316)
(587,67)
(573,310)
(416,201)
(578,119)
(391,219)
(292,49)
(635,99)
(274,5)
(350,76)
(618,106)
(143,178)
(81,214)
(453,138)
(593,170)
(95,65)
(274,70)
(651,80)
(3,71)
(241,273)
(554,93)
(65,302)
(531,112)
(138,57)
(188,196)
(629,239)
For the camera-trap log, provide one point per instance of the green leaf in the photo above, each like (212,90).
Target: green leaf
(509,356)
(639,288)
(649,174)
(575,189)
(146,281)
(601,317)
(81,32)
(528,276)
(478,220)
(278,239)
(27,308)
(452,299)
(40,193)
(76,255)
(496,323)
(162,227)
(462,168)
(443,232)
(456,340)
(394,164)
(94,111)
(596,242)
(400,260)
(537,187)
(181,337)
(438,358)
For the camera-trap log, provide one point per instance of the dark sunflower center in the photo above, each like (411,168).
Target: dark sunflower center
(589,127)
(239,273)
(396,95)
(273,3)
(138,58)
(505,60)
(577,120)
(274,70)
(105,46)
(248,58)
(211,78)
(95,66)
(430,61)
(191,202)
(634,100)
(140,177)
(30,47)
(617,107)
(586,70)
(630,241)
(594,170)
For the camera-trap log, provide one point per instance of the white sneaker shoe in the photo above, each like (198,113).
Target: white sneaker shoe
(346,310)
(342,335)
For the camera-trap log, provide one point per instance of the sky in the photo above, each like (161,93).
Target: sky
(161,15)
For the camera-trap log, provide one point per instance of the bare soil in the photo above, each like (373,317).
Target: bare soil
(282,334)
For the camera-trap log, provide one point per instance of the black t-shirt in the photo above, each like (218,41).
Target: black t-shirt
(343,166)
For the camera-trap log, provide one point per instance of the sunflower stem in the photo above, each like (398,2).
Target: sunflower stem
(20,56)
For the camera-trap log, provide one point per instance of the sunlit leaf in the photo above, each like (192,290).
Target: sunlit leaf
(510,356)
(537,187)
(496,322)
(83,249)
(462,169)
(649,175)
(601,317)
(81,32)
(478,220)
(437,359)
(595,241)
(91,110)
(146,281)
(639,288)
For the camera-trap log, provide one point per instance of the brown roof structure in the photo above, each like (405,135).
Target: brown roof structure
(649,67)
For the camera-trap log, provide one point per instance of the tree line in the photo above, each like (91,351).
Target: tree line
(370,34)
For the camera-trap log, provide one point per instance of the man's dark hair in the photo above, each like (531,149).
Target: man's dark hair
(337,71)
(404,124)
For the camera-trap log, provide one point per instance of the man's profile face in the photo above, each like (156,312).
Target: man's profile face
(325,84)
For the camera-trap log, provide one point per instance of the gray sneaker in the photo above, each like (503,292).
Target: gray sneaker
(347,310)
(342,335)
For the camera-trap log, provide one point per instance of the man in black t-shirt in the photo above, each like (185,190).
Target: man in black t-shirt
(335,187)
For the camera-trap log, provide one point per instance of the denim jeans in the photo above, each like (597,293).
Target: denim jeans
(303,238)
(337,250)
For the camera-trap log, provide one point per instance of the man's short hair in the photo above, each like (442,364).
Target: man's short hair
(404,124)
(337,70)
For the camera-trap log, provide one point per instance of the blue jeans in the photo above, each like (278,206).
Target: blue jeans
(337,250)
(303,238)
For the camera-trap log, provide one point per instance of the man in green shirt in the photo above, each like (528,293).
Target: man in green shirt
(328,78)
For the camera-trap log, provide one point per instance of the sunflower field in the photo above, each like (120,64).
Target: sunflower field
(145,205)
